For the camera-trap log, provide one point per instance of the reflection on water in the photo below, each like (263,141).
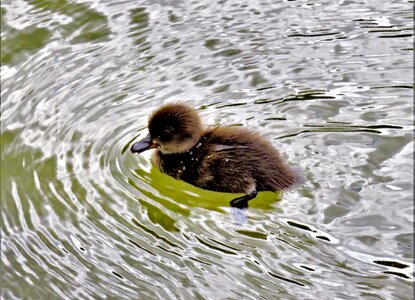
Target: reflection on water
(329,83)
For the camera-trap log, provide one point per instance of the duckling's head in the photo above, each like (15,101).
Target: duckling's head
(173,128)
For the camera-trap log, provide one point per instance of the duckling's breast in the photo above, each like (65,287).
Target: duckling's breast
(183,166)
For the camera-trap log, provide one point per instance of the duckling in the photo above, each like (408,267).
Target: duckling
(222,159)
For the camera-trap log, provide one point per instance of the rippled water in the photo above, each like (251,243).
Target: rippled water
(330,83)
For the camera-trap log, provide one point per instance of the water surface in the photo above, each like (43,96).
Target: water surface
(329,83)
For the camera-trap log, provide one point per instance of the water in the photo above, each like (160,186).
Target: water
(330,83)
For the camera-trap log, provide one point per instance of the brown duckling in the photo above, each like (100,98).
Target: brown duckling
(223,159)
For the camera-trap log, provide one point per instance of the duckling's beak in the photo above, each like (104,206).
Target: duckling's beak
(143,145)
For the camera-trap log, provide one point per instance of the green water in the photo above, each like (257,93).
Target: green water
(329,83)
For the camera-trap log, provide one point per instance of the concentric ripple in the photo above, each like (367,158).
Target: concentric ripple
(328,83)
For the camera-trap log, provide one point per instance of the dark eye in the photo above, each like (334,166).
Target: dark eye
(167,133)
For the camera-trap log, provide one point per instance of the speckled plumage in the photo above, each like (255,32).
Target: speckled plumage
(224,159)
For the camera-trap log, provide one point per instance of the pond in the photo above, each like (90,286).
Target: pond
(328,83)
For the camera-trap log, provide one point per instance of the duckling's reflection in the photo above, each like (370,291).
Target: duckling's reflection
(180,197)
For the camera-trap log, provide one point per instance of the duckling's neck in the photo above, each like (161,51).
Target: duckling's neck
(184,165)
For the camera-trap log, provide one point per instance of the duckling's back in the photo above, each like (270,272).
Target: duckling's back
(239,161)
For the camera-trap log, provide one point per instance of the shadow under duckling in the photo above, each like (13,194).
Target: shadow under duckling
(222,159)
